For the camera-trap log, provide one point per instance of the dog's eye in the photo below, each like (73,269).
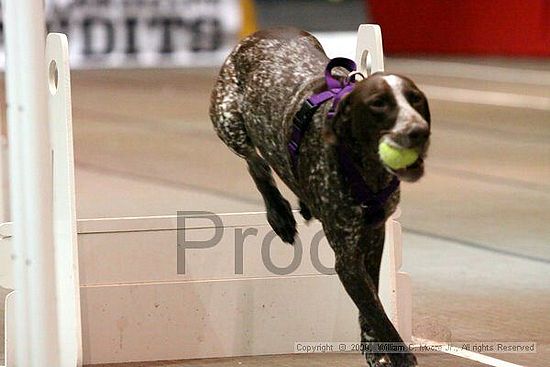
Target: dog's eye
(378,104)
(414,97)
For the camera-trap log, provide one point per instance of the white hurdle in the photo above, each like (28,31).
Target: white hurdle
(134,306)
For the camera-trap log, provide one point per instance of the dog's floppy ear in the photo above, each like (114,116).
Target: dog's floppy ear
(334,126)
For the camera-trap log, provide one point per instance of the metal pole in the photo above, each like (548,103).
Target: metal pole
(31,184)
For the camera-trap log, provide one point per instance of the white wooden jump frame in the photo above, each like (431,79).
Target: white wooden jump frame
(115,296)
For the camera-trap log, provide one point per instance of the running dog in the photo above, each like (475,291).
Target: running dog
(259,106)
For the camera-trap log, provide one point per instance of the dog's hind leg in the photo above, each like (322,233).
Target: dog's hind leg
(353,252)
(226,116)
(279,212)
(225,110)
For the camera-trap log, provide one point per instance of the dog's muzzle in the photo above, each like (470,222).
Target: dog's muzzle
(416,138)
(411,173)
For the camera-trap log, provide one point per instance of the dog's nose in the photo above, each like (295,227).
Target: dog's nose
(417,135)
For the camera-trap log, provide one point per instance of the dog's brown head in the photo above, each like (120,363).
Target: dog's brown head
(389,108)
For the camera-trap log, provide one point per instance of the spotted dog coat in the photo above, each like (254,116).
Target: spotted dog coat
(261,86)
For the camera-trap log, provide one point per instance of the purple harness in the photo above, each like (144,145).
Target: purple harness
(372,203)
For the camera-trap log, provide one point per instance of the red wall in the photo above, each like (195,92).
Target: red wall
(482,27)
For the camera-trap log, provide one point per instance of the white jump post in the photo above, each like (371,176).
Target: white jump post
(64,200)
(46,319)
(369,54)
(31,185)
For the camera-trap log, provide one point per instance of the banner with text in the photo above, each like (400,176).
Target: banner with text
(144,33)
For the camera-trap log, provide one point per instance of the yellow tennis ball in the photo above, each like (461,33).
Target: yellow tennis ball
(396,158)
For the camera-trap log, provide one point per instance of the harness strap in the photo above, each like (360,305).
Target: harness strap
(372,203)
(336,91)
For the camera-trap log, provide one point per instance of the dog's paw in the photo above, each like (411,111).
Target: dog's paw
(279,216)
(378,360)
(395,360)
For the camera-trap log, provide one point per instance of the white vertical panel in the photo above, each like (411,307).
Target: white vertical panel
(400,293)
(64,208)
(31,184)
(9,13)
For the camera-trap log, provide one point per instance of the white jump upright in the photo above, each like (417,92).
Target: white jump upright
(31,185)
(369,54)
(44,314)
(64,200)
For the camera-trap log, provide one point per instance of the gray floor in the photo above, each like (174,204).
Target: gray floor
(476,227)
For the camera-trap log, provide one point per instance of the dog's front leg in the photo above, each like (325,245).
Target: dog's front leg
(372,261)
(358,258)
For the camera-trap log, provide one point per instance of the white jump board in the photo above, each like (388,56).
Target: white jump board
(135,307)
